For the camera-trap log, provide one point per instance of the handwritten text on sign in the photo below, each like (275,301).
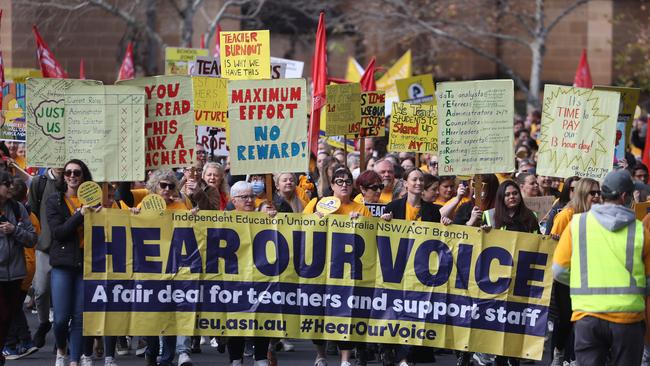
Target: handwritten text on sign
(414,128)
(343,109)
(245,55)
(268,124)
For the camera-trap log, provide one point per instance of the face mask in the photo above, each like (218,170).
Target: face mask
(258,187)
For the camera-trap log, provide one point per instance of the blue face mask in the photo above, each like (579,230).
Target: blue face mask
(258,187)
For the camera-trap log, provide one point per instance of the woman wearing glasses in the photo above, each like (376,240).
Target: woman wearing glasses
(210,191)
(585,194)
(65,215)
(165,184)
(341,183)
(370,185)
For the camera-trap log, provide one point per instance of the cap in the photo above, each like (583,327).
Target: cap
(617,182)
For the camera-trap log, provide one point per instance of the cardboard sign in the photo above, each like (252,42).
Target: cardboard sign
(625,119)
(413,128)
(210,101)
(45,120)
(292,68)
(153,203)
(578,132)
(178,60)
(373,114)
(206,66)
(213,140)
(278,70)
(12,118)
(416,90)
(105,127)
(90,193)
(343,109)
(540,205)
(268,125)
(169,120)
(328,205)
(245,55)
(475,133)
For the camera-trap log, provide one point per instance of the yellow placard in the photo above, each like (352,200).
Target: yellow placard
(578,132)
(626,111)
(401,69)
(230,274)
(327,205)
(90,193)
(20,75)
(178,61)
(246,55)
(153,202)
(210,101)
(413,128)
(343,109)
(416,90)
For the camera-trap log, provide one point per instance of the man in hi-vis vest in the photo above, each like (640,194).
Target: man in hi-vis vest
(603,255)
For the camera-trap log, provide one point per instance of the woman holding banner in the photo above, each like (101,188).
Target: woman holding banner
(288,193)
(430,192)
(211,191)
(585,194)
(411,207)
(65,215)
(165,184)
(341,183)
(509,213)
(528,185)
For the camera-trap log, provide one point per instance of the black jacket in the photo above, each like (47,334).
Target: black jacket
(64,251)
(428,211)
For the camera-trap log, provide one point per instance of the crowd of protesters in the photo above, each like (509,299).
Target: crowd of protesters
(42,242)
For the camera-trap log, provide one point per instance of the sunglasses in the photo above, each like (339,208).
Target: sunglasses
(375,187)
(434,163)
(342,182)
(246,197)
(170,186)
(72,173)
(594,193)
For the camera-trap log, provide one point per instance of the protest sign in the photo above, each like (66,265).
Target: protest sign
(413,128)
(267,126)
(45,120)
(90,193)
(104,125)
(625,119)
(12,119)
(373,114)
(577,133)
(298,276)
(292,69)
(278,70)
(179,60)
(206,66)
(540,205)
(245,55)
(343,109)
(475,132)
(416,90)
(210,101)
(169,120)
(20,75)
(212,139)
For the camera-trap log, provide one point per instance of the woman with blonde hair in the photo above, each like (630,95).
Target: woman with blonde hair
(585,194)
(289,192)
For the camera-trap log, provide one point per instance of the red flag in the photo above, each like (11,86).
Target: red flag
(368,77)
(49,66)
(2,72)
(82,72)
(202,40)
(217,43)
(127,71)
(319,83)
(583,75)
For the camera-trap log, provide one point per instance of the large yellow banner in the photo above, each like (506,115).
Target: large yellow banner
(295,276)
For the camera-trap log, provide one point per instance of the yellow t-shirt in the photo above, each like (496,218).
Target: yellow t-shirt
(345,209)
(302,196)
(412,213)
(358,198)
(386,197)
(562,257)
(73,204)
(562,220)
